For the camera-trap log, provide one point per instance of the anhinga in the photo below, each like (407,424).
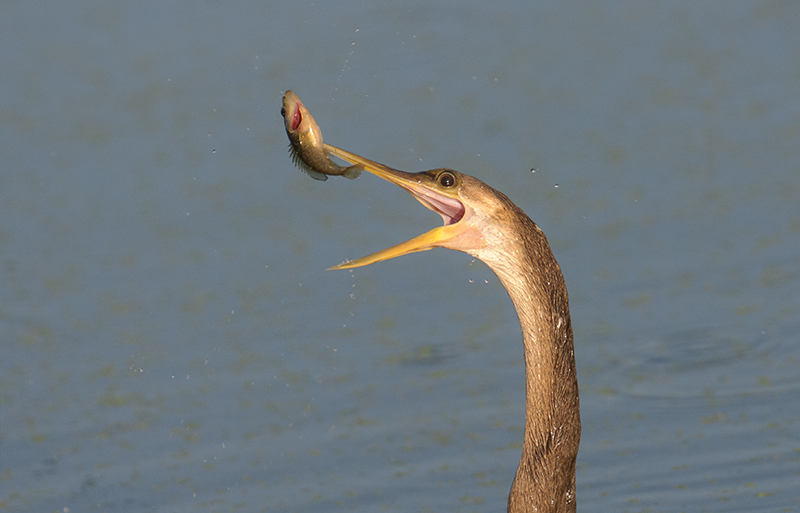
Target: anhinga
(486,224)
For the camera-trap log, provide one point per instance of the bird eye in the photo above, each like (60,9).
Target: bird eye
(447,180)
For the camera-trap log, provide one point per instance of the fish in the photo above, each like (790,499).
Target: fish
(305,142)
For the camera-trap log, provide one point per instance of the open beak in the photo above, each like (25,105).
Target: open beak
(449,206)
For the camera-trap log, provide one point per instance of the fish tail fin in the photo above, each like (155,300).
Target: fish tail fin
(352,172)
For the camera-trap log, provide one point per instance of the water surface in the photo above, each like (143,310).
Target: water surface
(171,340)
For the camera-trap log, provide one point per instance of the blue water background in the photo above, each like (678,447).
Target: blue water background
(171,341)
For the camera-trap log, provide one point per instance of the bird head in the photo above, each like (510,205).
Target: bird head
(447,192)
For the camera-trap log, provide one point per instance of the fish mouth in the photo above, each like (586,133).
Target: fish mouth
(291,107)
(455,233)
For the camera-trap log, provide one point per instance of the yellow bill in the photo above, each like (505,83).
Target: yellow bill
(437,190)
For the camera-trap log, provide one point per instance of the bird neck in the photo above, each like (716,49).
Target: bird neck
(545,479)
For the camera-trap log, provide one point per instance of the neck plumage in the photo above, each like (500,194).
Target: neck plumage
(545,479)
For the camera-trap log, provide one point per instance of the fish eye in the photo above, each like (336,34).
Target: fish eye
(447,180)
(283,112)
